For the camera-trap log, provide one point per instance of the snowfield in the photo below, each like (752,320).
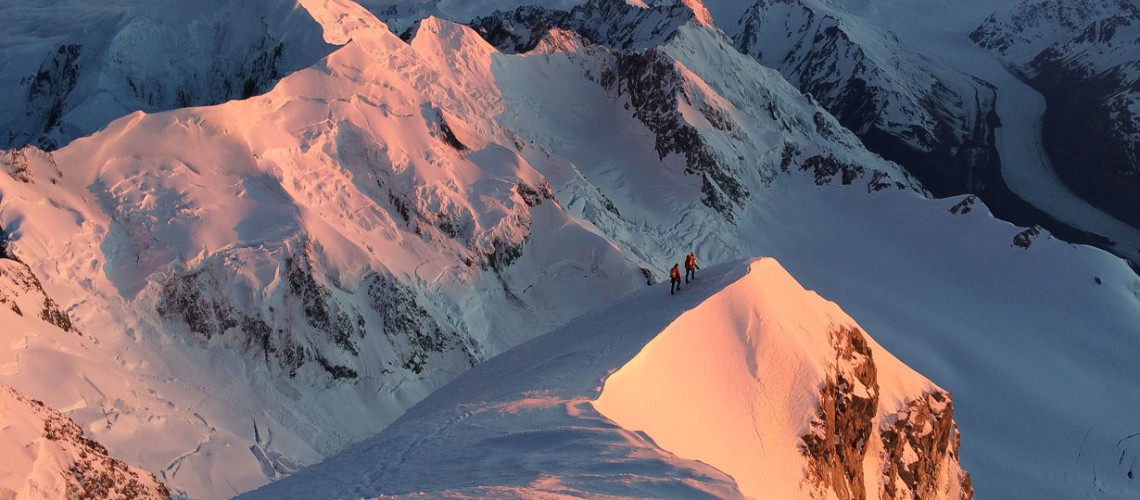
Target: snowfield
(642,399)
(223,295)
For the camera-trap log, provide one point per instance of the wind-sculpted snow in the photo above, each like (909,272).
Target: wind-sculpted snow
(524,423)
(349,240)
(781,390)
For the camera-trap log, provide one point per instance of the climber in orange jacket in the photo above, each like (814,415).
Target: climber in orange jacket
(674,279)
(691,267)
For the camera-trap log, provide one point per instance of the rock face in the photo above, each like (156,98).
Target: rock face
(937,123)
(1081,55)
(837,442)
(310,324)
(48,456)
(22,293)
(919,441)
(646,68)
(654,83)
(915,441)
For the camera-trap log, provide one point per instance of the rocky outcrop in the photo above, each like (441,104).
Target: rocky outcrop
(937,123)
(22,293)
(58,460)
(308,326)
(642,72)
(916,442)
(825,168)
(49,90)
(836,444)
(654,85)
(415,334)
(919,442)
(1025,238)
(16,164)
(300,321)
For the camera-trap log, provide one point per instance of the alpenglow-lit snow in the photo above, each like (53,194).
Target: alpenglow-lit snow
(361,232)
(727,374)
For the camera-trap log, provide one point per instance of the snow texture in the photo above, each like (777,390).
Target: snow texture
(634,401)
(358,233)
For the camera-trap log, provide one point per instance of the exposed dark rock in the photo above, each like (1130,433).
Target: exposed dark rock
(16,164)
(321,312)
(1026,237)
(654,86)
(836,443)
(965,206)
(50,313)
(88,471)
(505,253)
(826,167)
(612,23)
(881,180)
(338,372)
(534,197)
(520,30)
(414,332)
(192,299)
(19,284)
(443,130)
(95,475)
(650,78)
(649,279)
(918,440)
(924,125)
(4,242)
(49,90)
(312,327)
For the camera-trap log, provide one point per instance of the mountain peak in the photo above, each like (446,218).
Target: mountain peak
(341,19)
(772,374)
(673,368)
(700,12)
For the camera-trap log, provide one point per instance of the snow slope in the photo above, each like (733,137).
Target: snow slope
(363,232)
(537,420)
(71,68)
(48,456)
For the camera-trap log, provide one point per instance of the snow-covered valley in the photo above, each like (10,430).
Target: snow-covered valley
(223,295)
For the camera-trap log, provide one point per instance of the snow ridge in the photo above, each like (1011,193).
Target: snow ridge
(151,57)
(528,416)
(64,462)
(351,239)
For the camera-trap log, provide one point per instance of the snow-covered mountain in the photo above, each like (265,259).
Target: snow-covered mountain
(935,120)
(1082,57)
(56,459)
(773,376)
(70,80)
(354,237)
